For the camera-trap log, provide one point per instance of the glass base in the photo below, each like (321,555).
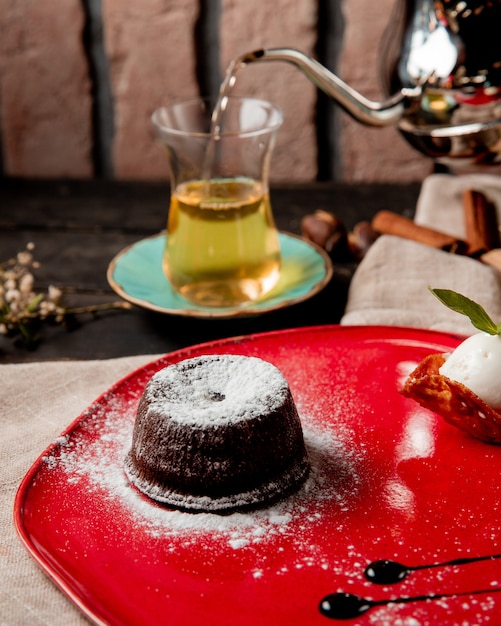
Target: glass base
(229,293)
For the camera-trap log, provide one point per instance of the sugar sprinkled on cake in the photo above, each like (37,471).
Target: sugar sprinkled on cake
(216,390)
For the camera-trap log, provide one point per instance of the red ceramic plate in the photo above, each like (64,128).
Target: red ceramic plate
(390,481)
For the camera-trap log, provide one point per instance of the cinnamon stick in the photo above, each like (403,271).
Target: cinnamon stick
(389,223)
(481,223)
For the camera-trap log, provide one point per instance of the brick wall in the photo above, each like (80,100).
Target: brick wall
(79,80)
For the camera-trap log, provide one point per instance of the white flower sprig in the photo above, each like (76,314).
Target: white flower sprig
(22,309)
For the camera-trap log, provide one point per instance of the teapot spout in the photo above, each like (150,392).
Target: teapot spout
(385,113)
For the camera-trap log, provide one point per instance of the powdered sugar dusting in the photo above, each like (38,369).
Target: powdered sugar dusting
(215,389)
(99,467)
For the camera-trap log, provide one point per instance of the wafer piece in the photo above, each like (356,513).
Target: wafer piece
(453,401)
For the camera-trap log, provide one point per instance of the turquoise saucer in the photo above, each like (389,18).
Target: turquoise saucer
(137,276)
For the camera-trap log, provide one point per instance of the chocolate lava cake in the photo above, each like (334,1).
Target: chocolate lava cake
(216,434)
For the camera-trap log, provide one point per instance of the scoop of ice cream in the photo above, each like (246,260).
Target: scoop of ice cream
(476,363)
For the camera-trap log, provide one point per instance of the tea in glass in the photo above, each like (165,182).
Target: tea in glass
(222,246)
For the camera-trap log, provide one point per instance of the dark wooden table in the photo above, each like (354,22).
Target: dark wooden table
(79,226)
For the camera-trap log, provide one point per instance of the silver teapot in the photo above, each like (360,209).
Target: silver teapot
(441,69)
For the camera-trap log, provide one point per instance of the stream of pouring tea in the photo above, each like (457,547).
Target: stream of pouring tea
(218,115)
(224,92)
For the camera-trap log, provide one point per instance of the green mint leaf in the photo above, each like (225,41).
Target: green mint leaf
(461,304)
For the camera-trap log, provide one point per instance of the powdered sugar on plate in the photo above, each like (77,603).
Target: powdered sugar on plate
(98,466)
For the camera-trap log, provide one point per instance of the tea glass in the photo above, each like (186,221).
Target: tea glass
(222,247)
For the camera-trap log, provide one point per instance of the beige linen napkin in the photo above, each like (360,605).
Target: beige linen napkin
(390,284)
(439,205)
(39,400)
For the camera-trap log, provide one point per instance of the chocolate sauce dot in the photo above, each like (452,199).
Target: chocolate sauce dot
(344,606)
(386,572)
(348,606)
